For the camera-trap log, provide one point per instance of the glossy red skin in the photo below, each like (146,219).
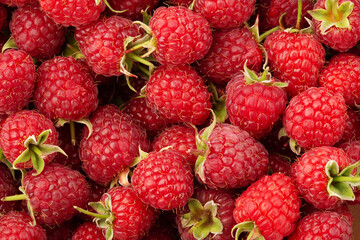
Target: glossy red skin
(37,34)
(226,206)
(20,126)
(17,81)
(102,43)
(225,14)
(230,49)
(181,138)
(178,94)
(341,75)
(133,218)
(72,12)
(340,39)
(65,89)
(311,180)
(182,35)
(163,180)
(295,59)
(254,107)
(234,159)
(113,144)
(272,203)
(352,149)
(323,225)
(53,193)
(18,225)
(315,117)
(87,231)
(19,3)
(7,188)
(133,8)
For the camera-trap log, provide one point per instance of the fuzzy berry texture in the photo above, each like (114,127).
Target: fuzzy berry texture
(323,225)
(64,89)
(102,43)
(311,179)
(230,49)
(88,231)
(18,3)
(17,81)
(352,149)
(18,225)
(72,12)
(295,58)
(19,127)
(182,35)
(133,8)
(133,218)
(254,107)
(53,193)
(113,144)
(7,188)
(163,180)
(178,94)
(233,159)
(272,203)
(225,14)
(225,207)
(181,138)
(315,117)
(37,34)
(340,39)
(341,75)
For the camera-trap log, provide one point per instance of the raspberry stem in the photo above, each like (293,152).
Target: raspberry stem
(17,197)
(346,179)
(139,59)
(299,14)
(92,214)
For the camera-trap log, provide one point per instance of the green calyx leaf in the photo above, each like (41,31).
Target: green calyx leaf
(35,150)
(202,219)
(248,226)
(61,122)
(10,44)
(333,15)
(341,184)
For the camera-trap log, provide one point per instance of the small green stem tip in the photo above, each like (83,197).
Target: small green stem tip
(92,214)
(17,197)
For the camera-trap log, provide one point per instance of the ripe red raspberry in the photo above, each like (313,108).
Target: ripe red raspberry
(102,43)
(311,178)
(113,144)
(337,23)
(53,193)
(86,231)
(352,127)
(181,138)
(323,225)
(7,188)
(232,159)
(225,205)
(315,117)
(65,89)
(37,34)
(295,58)
(279,164)
(17,81)
(18,3)
(133,8)
(225,14)
(18,127)
(63,231)
(254,105)
(352,149)
(272,204)
(230,49)
(163,180)
(178,94)
(341,75)
(182,36)
(72,12)
(18,225)
(185,3)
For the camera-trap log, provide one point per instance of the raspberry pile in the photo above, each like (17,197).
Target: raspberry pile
(179,119)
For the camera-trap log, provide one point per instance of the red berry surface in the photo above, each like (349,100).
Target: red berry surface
(279,164)
(65,89)
(182,35)
(272,203)
(113,144)
(352,127)
(163,180)
(133,8)
(315,117)
(17,81)
(88,231)
(18,3)
(7,188)
(37,34)
(178,94)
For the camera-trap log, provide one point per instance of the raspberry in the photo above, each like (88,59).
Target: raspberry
(86,231)
(7,188)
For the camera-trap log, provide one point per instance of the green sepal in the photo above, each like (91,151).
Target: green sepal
(98,207)
(37,162)
(109,233)
(146,17)
(72,48)
(254,29)
(199,167)
(10,44)
(61,122)
(294,146)
(247,226)
(97,2)
(109,6)
(333,15)
(282,133)
(201,140)
(340,190)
